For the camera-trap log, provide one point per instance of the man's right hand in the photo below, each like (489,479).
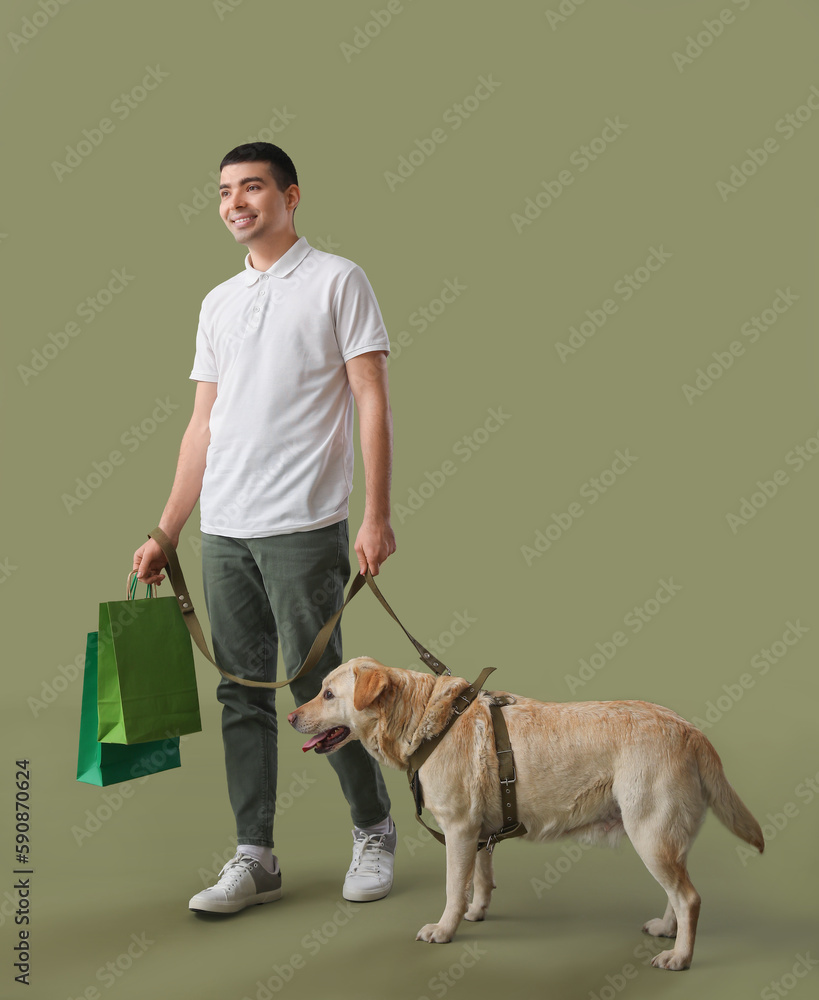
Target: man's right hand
(149,559)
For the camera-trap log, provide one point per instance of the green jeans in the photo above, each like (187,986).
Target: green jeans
(261,593)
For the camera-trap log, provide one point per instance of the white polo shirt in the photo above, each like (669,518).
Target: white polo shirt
(280,457)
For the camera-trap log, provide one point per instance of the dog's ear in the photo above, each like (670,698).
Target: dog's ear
(369,684)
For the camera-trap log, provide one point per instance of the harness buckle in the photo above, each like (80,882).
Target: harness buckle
(508,781)
(467,703)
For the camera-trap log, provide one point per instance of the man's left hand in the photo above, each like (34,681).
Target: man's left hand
(374,542)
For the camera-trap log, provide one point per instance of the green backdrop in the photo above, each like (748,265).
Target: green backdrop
(591,228)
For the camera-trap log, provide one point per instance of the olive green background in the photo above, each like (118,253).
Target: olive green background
(116,862)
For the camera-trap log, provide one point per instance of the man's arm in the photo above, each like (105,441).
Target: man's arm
(367,374)
(187,485)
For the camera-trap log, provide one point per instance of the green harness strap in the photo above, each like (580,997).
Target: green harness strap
(506,766)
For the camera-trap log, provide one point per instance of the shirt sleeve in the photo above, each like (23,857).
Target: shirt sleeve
(357,318)
(204,362)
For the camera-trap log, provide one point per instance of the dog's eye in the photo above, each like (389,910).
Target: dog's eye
(328,694)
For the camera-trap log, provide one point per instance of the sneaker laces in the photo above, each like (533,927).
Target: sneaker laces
(232,871)
(367,849)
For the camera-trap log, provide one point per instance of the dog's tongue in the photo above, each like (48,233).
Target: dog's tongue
(313,741)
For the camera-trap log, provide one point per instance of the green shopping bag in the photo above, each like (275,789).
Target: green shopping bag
(146,682)
(108,763)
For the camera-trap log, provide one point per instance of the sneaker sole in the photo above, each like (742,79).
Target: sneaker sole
(365,896)
(226,907)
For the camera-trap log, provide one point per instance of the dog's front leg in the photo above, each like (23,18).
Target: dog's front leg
(461,848)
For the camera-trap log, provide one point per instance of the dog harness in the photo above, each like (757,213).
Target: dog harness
(503,745)
(506,764)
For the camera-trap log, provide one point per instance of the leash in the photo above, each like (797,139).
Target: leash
(503,745)
(183,598)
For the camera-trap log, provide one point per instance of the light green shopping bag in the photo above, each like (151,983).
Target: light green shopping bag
(146,682)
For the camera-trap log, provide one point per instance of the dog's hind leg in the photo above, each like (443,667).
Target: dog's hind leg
(482,886)
(666,862)
(461,849)
(665,926)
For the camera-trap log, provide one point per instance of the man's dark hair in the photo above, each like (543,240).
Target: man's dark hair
(279,163)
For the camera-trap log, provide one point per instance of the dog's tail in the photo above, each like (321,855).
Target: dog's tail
(728,806)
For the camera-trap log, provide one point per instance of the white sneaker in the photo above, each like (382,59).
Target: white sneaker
(242,882)
(370,873)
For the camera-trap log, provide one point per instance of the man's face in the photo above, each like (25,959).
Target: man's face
(252,206)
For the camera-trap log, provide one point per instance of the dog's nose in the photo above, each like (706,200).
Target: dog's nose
(292,718)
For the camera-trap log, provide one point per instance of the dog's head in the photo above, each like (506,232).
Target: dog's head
(346,707)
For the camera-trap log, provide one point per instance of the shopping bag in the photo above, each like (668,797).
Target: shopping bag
(108,763)
(146,682)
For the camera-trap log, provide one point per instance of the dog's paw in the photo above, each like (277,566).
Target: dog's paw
(475,912)
(433,933)
(670,960)
(657,928)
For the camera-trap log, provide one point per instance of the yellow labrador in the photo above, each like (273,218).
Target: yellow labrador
(590,770)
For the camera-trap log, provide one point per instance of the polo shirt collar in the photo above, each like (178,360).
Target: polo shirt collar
(288,262)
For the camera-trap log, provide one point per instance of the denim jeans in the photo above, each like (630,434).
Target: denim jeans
(262,592)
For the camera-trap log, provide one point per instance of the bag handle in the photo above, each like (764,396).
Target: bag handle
(131,586)
(183,598)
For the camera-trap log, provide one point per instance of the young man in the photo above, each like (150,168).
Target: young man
(282,350)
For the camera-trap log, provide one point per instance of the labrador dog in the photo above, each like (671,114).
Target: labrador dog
(589,770)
